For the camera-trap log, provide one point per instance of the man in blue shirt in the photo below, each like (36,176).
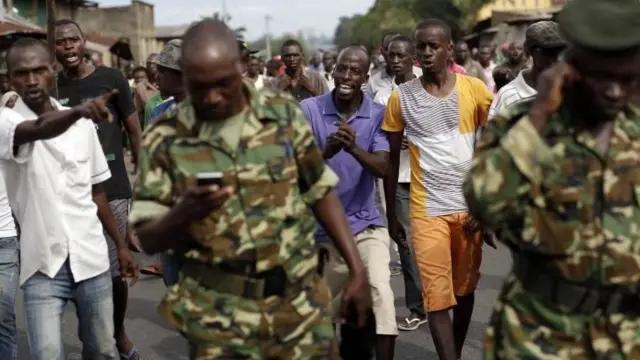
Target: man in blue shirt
(346,125)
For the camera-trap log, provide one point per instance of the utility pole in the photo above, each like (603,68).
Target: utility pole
(225,17)
(267,34)
(51,28)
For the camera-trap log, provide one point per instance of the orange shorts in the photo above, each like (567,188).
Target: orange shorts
(448,260)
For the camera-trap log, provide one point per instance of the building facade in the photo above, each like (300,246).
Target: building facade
(132,23)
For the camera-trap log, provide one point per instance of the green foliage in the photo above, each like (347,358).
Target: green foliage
(402,16)
(276,44)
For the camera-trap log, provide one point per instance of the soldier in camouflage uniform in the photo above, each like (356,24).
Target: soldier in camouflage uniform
(249,288)
(558,179)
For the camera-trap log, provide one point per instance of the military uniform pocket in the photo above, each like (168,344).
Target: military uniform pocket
(208,316)
(557,221)
(302,313)
(282,169)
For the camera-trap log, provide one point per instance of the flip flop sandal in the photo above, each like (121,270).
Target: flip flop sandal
(412,324)
(152,270)
(131,355)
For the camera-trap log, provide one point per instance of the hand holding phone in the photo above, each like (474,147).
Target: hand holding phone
(199,201)
(209,178)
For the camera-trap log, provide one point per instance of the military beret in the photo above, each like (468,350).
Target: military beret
(602,25)
(544,34)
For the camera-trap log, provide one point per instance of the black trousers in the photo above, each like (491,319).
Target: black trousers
(358,344)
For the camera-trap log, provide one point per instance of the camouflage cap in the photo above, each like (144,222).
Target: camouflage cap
(169,57)
(602,25)
(544,34)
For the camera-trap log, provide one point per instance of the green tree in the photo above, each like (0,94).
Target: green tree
(276,44)
(342,36)
(402,16)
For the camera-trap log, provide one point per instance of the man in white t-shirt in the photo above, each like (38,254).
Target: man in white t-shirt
(9,266)
(544,44)
(383,80)
(400,54)
(53,166)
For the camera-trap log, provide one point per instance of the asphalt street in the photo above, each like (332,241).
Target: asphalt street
(155,340)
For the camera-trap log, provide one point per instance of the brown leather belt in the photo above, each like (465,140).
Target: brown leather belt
(273,282)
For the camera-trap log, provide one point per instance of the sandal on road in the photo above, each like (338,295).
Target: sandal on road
(412,322)
(131,355)
(154,270)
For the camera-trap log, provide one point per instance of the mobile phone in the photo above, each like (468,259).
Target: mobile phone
(209,178)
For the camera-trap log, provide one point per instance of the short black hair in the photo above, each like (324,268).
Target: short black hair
(62,22)
(292,42)
(433,22)
(138,69)
(405,39)
(388,33)
(24,43)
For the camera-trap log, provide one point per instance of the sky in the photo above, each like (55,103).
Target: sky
(319,16)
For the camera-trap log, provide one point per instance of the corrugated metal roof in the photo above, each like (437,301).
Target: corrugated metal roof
(171,31)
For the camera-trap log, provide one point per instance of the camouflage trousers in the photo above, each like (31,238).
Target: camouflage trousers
(522,327)
(222,326)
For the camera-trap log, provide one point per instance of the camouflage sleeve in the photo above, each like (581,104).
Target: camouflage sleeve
(508,163)
(315,178)
(154,189)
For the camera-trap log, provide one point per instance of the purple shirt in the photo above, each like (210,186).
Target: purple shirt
(356,188)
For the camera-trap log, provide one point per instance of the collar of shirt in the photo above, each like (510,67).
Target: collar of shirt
(329,108)
(521,86)
(21,108)
(356,188)
(50,189)
(206,132)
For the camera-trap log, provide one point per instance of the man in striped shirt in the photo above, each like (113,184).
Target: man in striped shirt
(441,112)
(544,44)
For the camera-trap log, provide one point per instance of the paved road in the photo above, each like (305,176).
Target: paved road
(155,340)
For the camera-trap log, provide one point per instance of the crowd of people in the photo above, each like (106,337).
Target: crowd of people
(432,154)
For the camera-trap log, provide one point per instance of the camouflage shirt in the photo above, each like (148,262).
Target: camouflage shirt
(558,200)
(277,171)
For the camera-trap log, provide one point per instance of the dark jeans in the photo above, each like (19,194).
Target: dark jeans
(410,272)
(171,265)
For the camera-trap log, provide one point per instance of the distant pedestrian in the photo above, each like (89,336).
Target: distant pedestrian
(297,80)
(463,57)
(544,43)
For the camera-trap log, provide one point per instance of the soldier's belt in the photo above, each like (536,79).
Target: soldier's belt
(572,297)
(273,282)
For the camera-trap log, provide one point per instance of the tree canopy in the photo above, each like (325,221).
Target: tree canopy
(276,43)
(402,16)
